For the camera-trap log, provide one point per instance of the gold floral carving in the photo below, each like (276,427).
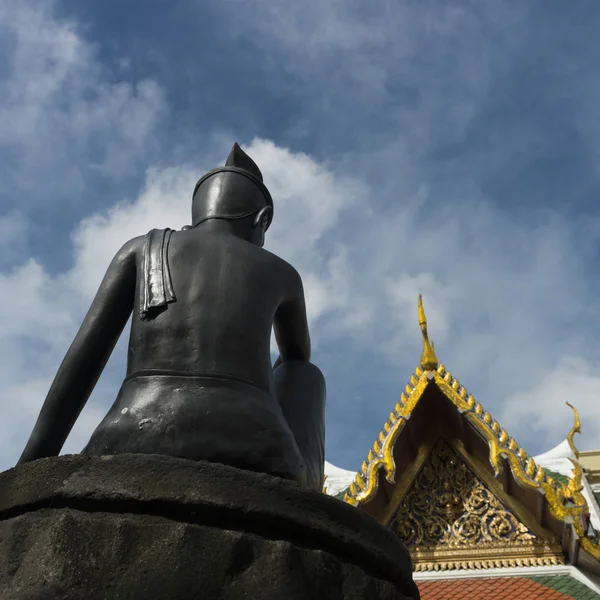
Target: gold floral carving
(449,506)
(449,517)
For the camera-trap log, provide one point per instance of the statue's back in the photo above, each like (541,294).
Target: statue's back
(227,292)
(201,367)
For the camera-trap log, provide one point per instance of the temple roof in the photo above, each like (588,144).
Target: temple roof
(546,587)
(550,488)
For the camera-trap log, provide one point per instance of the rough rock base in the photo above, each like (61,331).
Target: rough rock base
(152,527)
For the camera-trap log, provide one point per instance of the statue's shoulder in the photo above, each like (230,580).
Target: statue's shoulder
(130,251)
(278,261)
(133,246)
(141,247)
(153,237)
(291,271)
(286,271)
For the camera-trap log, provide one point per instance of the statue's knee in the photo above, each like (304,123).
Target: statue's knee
(303,369)
(315,380)
(316,373)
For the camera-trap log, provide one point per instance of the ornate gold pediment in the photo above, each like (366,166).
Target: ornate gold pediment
(450,519)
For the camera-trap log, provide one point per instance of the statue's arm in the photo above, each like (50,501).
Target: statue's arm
(86,358)
(291,324)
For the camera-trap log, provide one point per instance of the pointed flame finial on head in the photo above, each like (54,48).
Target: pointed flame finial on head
(576,429)
(238,158)
(429,361)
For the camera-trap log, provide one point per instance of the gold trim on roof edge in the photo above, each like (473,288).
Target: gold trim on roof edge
(470,558)
(501,445)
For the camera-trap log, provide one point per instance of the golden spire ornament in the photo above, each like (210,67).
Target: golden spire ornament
(429,361)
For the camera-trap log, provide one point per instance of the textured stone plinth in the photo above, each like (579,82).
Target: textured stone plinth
(138,527)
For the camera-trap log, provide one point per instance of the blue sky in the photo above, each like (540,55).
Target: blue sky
(443,147)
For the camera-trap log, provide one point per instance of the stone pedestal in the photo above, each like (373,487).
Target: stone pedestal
(140,527)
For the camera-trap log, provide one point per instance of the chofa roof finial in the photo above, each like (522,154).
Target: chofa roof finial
(429,361)
(576,429)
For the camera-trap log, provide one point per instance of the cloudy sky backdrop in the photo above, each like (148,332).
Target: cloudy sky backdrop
(448,147)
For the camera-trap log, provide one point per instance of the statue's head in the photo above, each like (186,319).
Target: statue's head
(234,191)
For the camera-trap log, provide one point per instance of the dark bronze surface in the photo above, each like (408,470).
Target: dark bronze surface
(199,382)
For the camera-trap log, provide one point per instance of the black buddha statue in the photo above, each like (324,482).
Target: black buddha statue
(200,384)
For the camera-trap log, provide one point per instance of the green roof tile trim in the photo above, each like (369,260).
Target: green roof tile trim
(340,495)
(565,584)
(557,476)
(597,496)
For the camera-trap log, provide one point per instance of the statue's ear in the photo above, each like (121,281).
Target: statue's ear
(262,216)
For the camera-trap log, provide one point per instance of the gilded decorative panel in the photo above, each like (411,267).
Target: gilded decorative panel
(450,518)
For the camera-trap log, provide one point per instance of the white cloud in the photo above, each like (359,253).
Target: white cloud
(540,410)
(309,195)
(423,69)
(14,237)
(61,113)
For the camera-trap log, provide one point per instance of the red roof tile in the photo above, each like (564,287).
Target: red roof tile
(484,588)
